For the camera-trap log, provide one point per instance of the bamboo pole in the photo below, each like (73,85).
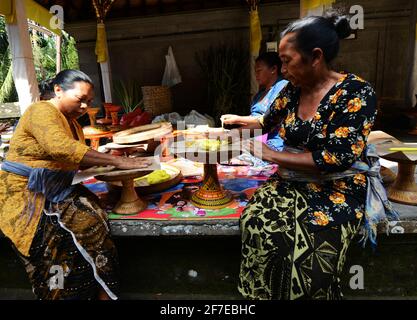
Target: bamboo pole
(58,44)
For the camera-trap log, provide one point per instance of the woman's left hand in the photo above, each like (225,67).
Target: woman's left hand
(258,149)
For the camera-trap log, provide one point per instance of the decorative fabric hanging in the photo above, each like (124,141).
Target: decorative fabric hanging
(314,7)
(255,28)
(34,12)
(255,38)
(101,8)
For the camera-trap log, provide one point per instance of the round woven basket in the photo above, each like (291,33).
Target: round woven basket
(157,99)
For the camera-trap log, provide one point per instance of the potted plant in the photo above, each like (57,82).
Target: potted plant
(130,98)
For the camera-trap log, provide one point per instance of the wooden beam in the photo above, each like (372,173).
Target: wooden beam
(411,91)
(144,8)
(161,6)
(128,7)
(40,29)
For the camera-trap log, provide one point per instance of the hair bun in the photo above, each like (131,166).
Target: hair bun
(341,24)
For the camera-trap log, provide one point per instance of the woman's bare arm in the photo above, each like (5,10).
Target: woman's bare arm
(294,161)
(95,158)
(249,126)
(246,122)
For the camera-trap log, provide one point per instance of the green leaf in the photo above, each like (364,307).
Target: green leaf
(226,69)
(128,94)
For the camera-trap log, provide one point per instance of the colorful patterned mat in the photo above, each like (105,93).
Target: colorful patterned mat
(174,204)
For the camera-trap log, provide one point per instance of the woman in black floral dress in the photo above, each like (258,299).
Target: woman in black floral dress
(295,232)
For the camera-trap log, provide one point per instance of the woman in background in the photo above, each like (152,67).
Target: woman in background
(270,80)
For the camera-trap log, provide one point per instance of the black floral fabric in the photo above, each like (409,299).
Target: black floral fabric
(337,137)
(295,235)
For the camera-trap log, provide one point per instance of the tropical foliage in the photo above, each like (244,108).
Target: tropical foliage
(226,68)
(7,89)
(44,54)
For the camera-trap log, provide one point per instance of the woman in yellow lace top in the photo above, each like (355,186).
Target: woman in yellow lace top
(55,226)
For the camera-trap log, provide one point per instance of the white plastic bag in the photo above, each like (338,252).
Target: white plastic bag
(172,117)
(210,120)
(196,118)
(171,74)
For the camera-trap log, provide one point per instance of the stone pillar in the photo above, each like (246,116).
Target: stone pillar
(23,64)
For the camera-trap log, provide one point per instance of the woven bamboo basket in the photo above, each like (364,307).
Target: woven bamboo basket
(157,99)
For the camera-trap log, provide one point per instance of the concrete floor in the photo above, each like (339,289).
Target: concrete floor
(207,268)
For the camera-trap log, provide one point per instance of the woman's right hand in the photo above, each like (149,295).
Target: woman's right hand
(95,158)
(245,122)
(232,119)
(126,163)
(4,127)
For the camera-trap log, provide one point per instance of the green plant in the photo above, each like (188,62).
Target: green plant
(128,95)
(44,53)
(69,53)
(7,89)
(226,68)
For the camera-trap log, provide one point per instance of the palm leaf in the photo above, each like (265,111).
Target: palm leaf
(226,69)
(7,87)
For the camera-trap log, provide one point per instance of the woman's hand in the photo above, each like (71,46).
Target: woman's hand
(4,127)
(245,122)
(132,163)
(232,119)
(94,158)
(295,161)
(259,150)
